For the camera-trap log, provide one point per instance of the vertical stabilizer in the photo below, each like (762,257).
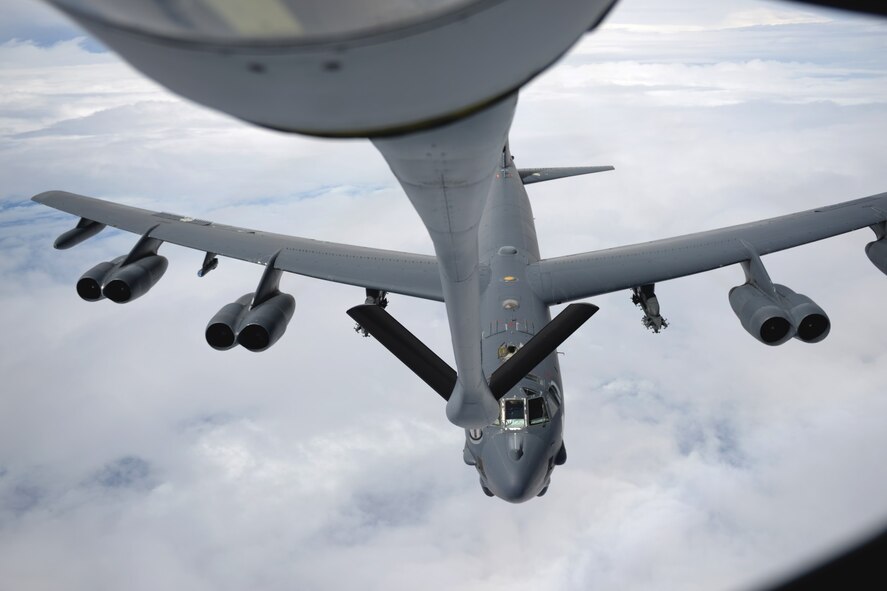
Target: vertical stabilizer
(538,175)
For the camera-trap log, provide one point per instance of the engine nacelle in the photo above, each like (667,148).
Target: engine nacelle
(263,326)
(135,279)
(89,286)
(221,331)
(811,321)
(877,253)
(256,329)
(760,316)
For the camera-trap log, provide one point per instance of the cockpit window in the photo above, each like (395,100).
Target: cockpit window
(514,414)
(517,413)
(536,410)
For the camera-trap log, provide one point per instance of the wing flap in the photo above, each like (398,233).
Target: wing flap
(393,271)
(573,277)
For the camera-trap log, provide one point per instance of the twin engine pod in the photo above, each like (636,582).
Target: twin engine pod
(255,327)
(877,253)
(775,318)
(121,283)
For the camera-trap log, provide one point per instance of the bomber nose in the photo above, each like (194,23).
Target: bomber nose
(515,466)
(513,490)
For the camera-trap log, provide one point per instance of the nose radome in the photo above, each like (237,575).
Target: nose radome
(515,466)
(513,490)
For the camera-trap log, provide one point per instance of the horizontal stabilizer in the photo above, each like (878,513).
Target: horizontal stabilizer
(539,347)
(404,345)
(537,175)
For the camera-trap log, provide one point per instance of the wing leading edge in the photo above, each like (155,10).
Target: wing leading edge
(397,272)
(577,276)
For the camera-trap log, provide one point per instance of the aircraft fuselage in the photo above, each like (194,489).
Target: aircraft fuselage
(515,455)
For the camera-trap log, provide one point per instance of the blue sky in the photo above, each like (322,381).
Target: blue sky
(134,456)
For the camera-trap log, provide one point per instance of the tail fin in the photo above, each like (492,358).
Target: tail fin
(537,175)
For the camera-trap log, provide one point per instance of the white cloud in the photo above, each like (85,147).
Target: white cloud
(726,83)
(754,17)
(44,85)
(697,458)
(33,20)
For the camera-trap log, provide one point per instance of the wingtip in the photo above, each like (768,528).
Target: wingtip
(46,196)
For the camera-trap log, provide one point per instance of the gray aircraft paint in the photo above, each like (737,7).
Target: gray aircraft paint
(389,77)
(515,465)
(447,173)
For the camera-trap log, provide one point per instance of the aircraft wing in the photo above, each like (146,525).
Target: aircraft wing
(568,278)
(396,272)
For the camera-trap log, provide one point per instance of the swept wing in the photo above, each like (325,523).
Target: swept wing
(398,272)
(577,276)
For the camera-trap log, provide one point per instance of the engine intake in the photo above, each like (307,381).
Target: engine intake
(760,316)
(123,279)
(221,331)
(89,286)
(775,318)
(135,279)
(811,321)
(256,329)
(265,324)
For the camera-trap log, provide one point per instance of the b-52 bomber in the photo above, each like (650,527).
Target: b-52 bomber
(439,110)
(513,420)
